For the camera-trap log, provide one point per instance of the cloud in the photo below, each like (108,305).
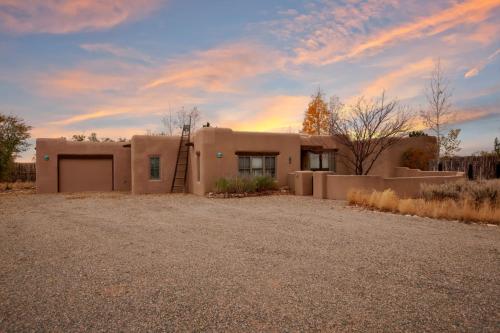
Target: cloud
(271,113)
(79,81)
(120,52)
(219,69)
(479,67)
(403,81)
(330,33)
(69,16)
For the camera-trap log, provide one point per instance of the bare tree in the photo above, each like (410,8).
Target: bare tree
(169,122)
(439,112)
(184,117)
(335,108)
(368,128)
(173,123)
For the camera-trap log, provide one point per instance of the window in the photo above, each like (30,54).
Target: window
(244,166)
(257,166)
(270,166)
(154,167)
(322,161)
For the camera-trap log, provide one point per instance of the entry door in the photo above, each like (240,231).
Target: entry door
(80,173)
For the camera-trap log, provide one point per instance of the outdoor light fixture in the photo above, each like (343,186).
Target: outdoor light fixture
(289,159)
(218,154)
(46,157)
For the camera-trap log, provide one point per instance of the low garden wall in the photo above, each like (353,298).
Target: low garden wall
(326,185)
(303,182)
(405,187)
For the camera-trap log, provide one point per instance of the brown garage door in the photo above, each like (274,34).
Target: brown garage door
(78,173)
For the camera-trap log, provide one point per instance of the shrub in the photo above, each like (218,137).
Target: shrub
(245,184)
(221,185)
(463,208)
(265,183)
(476,192)
(415,158)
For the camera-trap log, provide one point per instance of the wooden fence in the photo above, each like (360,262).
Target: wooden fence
(475,167)
(25,172)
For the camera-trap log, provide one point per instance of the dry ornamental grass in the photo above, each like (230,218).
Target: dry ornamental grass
(463,201)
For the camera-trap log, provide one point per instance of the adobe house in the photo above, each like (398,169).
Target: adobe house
(163,164)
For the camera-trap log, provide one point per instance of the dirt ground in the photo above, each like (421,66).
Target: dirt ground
(117,262)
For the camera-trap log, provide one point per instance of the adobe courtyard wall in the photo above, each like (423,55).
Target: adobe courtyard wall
(389,159)
(48,151)
(338,186)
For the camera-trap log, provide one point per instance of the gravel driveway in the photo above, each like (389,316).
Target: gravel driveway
(117,262)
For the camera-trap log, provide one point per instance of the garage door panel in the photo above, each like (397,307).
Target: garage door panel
(85,174)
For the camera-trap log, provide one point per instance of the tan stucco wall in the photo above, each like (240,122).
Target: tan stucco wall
(389,159)
(209,141)
(407,172)
(319,184)
(338,186)
(303,183)
(144,146)
(46,171)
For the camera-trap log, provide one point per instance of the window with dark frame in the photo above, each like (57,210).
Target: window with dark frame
(154,167)
(257,166)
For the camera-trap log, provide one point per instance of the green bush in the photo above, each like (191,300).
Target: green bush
(245,184)
(221,185)
(264,183)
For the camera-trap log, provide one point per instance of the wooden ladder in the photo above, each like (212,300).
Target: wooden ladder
(181,167)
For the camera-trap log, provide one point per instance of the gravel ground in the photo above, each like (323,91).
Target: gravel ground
(117,262)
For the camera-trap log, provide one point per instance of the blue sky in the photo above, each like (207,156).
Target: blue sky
(116,67)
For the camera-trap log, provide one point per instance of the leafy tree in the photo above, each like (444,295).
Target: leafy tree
(496,147)
(78,137)
(414,134)
(14,134)
(451,143)
(317,117)
(368,128)
(93,137)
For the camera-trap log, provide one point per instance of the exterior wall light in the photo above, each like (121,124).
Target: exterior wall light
(46,157)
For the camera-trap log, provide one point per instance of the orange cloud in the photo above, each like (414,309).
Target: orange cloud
(67,16)
(79,81)
(469,12)
(218,69)
(398,83)
(274,114)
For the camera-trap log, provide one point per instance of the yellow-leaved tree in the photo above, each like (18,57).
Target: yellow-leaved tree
(317,119)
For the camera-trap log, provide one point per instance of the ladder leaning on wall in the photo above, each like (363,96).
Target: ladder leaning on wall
(181,166)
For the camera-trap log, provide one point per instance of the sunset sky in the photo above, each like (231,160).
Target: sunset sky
(116,67)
